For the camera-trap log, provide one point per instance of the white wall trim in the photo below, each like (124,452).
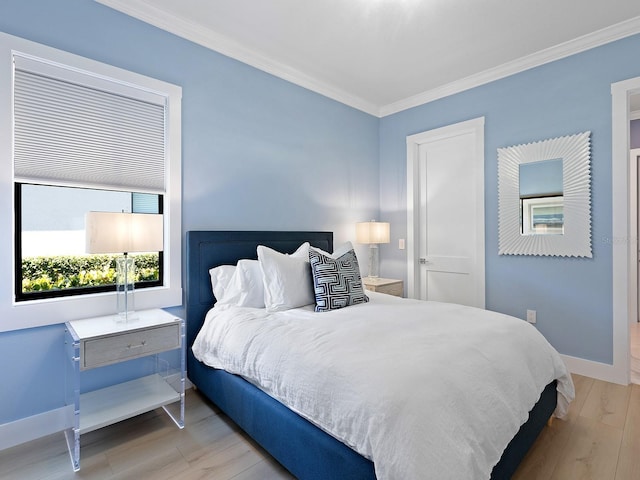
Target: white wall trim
(34,427)
(157,17)
(588,368)
(580,44)
(154,15)
(475,126)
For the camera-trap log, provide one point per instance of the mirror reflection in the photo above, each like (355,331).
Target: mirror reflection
(541,197)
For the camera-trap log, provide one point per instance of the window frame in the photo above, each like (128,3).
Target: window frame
(39,312)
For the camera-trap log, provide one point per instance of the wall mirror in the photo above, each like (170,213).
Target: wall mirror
(544,205)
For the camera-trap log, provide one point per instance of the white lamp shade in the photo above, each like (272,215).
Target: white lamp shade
(109,232)
(372,232)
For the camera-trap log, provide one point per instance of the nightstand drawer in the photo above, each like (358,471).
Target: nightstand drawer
(96,352)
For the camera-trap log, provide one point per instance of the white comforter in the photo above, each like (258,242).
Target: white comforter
(424,389)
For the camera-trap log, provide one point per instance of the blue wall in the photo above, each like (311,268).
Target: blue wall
(256,153)
(573,297)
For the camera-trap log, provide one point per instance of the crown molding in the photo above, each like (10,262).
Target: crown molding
(157,17)
(557,52)
(147,12)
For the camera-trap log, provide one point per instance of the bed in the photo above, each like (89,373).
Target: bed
(306,450)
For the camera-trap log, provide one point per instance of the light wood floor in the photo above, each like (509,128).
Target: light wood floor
(600,440)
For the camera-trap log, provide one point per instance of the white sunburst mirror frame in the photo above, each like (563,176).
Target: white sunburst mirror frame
(575,241)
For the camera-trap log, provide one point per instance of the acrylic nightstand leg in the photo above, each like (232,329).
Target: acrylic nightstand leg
(73,443)
(179,419)
(72,397)
(183,368)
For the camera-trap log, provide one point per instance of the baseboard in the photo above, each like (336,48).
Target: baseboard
(34,427)
(597,370)
(47,423)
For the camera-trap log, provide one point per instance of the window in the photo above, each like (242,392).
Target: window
(50,243)
(83,136)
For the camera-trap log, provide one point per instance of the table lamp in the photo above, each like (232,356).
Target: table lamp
(372,233)
(111,232)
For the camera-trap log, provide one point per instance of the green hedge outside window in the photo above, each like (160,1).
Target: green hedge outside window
(62,272)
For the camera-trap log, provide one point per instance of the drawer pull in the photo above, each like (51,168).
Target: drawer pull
(144,342)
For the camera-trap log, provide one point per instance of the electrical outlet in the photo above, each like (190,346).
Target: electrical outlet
(531,316)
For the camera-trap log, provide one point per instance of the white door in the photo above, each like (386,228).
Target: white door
(448,214)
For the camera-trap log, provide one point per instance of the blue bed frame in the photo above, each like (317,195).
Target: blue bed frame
(305,450)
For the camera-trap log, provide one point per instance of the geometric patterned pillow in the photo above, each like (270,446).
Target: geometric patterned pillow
(336,281)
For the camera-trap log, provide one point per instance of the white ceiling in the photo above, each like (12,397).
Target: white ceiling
(383,56)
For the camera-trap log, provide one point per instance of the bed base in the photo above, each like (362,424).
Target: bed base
(301,447)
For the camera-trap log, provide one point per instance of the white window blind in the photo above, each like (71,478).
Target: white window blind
(76,129)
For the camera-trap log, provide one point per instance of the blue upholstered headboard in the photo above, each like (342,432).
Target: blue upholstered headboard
(208,249)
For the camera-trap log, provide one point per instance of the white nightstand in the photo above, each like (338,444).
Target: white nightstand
(100,341)
(389,286)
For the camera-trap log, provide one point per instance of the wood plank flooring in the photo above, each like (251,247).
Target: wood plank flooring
(600,440)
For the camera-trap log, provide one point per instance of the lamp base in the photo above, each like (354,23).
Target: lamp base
(125,282)
(373,260)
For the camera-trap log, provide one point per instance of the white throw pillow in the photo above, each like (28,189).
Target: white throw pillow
(245,288)
(287,278)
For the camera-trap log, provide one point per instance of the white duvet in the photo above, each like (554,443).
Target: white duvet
(423,389)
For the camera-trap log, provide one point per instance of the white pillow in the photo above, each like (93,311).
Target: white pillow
(220,279)
(245,289)
(338,252)
(287,278)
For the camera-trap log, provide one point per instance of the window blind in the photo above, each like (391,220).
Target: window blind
(72,133)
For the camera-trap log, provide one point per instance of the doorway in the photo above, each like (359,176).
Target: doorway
(445,224)
(623,238)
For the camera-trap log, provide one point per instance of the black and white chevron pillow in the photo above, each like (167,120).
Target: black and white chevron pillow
(336,281)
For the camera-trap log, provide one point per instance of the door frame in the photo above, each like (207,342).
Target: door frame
(476,127)
(633,227)
(623,240)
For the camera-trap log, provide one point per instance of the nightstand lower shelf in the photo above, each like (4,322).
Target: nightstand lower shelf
(116,403)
